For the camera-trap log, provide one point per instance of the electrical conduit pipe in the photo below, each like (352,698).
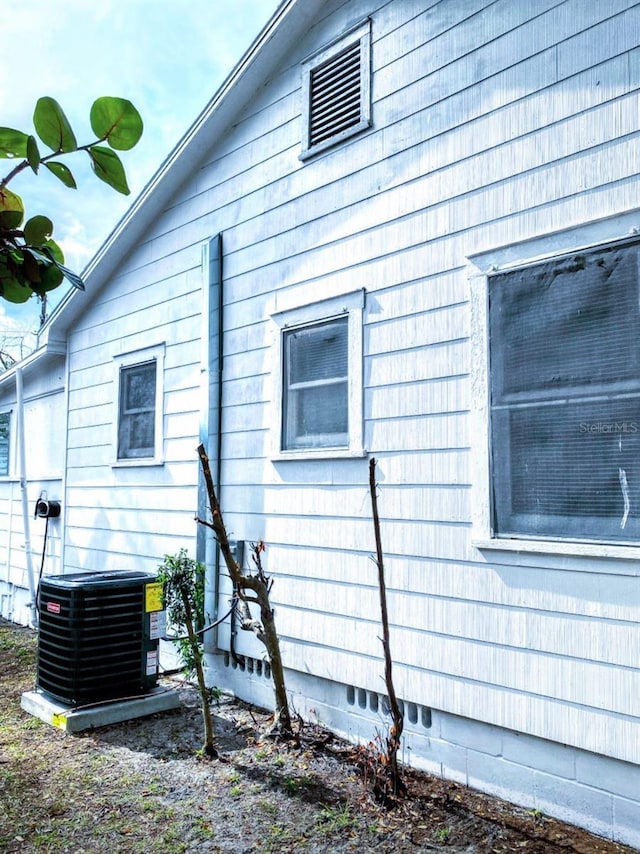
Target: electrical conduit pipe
(22,468)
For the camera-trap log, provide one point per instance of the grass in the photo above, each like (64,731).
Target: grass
(138,787)
(332,819)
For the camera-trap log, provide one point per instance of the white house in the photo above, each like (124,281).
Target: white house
(405,229)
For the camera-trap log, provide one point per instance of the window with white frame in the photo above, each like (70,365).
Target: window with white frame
(336,91)
(5,436)
(320,383)
(564,387)
(139,414)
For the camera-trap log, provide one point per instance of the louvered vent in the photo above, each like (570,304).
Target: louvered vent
(335,95)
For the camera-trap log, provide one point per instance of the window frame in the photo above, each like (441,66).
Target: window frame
(362,34)
(481,265)
(350,305)
(130,360)
(8,414)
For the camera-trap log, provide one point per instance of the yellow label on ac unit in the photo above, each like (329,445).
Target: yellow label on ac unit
(153,597)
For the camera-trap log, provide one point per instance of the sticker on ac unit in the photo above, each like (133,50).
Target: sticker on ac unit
(152,662)
(53,607)
(157,624)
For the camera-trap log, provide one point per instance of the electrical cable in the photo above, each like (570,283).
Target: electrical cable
(44,550)
(206,628)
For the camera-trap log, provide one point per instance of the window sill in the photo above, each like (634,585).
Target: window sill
(127,464)
(564,548)
(319,454)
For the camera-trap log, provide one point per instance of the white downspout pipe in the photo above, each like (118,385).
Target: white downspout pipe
(22,468)
(10,587)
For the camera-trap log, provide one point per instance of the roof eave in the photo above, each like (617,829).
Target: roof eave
(238,88)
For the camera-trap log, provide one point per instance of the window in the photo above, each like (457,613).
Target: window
(336,91)
(139,418)
(315,411)
(320,382)
(564,387)
(5,421)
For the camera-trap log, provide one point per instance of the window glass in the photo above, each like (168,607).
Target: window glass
(565,397)
(5,418)
(316,410)
(136,421)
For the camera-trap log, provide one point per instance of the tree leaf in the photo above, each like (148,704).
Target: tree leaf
(117,121)
(13,143)
(51,277)
(33,154)
(38,230)
(48,253)
(62,172)
(30,267)
(54,252)
(11,209)
(52,255)
(52,126)
(12,287)
(108,167)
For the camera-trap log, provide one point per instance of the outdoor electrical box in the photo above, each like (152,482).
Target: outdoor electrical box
(98,635)
(47,509)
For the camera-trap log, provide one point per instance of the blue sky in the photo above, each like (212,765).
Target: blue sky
(167,56)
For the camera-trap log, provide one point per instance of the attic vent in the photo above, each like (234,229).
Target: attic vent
(337,92)
(335,95)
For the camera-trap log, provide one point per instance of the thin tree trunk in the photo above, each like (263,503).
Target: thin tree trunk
(264,629)
(395,734)
(208,747)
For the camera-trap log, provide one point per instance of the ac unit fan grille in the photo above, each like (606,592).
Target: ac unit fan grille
(93,639)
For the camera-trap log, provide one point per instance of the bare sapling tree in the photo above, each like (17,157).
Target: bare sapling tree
(393,775)
(251,589)
(183,594)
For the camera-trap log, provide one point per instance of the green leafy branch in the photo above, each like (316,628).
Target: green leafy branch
(182,580)
(31,262)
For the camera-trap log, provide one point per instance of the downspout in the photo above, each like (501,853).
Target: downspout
(22,469)
(63,485)
(8,596)
(207,551)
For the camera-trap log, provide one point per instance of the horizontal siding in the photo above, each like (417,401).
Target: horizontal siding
(599,597)
(494,122)
(575,681)
(579,637)
(436,503)
(527,631)
(498,152)
(517,711)
(13,554)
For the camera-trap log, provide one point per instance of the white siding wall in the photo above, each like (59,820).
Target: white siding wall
(44,427)
(493,123)
(129,517)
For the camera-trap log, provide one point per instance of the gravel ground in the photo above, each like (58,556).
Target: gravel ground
(140,786)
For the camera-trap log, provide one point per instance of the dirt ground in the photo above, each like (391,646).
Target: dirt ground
(140,786)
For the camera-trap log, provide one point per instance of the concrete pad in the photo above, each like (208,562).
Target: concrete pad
(71,719)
